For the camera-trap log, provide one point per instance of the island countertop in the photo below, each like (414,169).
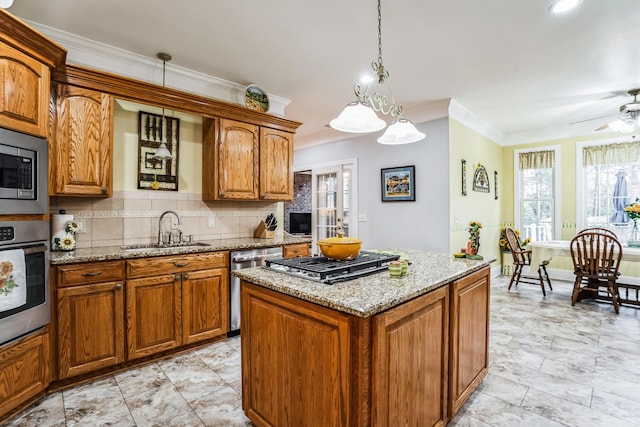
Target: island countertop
(118,252)
(369,295)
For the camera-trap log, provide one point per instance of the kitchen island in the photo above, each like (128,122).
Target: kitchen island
(370,351)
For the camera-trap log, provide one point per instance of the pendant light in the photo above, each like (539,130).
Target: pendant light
(360,115)
(162,152)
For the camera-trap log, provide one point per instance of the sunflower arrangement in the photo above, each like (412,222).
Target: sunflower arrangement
(67,242)
(504,245)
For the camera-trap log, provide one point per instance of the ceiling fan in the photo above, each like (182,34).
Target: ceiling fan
(629,116)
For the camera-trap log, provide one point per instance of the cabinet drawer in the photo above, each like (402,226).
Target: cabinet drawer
(296,250)
(86,273)
(153,266)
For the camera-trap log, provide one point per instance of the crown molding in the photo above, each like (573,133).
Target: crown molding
(460,113)
(97,55)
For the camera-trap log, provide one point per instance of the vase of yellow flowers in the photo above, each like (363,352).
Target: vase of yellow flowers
(474,240)
(633,212)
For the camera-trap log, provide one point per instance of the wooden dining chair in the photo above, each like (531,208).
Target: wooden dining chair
(521,259)
(599,230)
(596,261)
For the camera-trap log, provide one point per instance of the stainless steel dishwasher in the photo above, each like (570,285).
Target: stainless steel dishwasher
(240,260)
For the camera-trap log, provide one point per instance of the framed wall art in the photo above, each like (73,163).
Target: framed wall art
(157,174)
(481,179)
(398,184)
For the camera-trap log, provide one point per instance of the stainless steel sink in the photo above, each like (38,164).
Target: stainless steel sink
(154,246)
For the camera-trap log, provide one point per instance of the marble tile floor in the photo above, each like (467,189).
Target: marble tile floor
(550,365)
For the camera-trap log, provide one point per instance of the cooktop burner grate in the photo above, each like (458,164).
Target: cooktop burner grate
(327,270)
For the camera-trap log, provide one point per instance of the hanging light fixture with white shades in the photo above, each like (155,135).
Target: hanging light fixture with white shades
(162,152)
(360,116)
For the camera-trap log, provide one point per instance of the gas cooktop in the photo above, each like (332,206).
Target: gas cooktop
(327,270)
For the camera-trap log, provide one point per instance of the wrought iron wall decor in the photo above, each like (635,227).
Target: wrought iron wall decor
(157,174)
(481,179)
(464,177)
(495,184)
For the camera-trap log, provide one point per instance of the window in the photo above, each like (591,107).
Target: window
(610,178)
(536,211)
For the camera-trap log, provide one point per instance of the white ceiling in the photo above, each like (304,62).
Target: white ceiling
(525,72)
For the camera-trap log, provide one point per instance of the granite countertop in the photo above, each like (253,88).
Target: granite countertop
(372,294)
(117,252)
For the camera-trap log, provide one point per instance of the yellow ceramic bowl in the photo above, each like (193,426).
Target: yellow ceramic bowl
(341,248)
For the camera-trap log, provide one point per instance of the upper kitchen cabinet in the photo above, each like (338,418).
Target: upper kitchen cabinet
(26,60)
(243,161)
(80,159)
(276,163)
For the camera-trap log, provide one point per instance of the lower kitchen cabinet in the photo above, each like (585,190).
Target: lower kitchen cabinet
(175,300)
(90,308)
(205,296)
(469,337)
(295,250)
(24,370)
(410,355)
(153,315)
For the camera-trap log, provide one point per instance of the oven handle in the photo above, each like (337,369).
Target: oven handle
(35,249)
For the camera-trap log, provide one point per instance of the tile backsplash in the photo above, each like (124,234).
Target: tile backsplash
(131,217)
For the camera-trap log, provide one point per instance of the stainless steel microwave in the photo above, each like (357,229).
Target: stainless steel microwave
(23,174)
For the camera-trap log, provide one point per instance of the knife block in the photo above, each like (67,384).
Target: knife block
(262,232)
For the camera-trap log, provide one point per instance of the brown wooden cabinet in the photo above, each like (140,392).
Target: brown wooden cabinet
(276,163)
(24,92)
(295,250)
(312,344)
(90,307)
(80,158)
(26,60)
(413,364)
(410,355)
(469,342)
(153,315)
(24,370)
(175,300)
(242,161)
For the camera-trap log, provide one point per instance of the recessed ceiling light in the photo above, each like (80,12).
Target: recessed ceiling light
(5,4)
(561,6)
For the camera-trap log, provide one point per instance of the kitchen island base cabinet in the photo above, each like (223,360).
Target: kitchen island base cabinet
(469,345)
(413,364)
(311,344)
(409,375)
(304,364)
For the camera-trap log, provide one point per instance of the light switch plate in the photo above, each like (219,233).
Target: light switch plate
(211,221)
(362,217)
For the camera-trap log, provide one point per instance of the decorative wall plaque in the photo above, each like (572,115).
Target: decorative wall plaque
(157,174)
(481,179)
(464,177)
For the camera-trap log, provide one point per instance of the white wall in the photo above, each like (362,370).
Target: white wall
(423,224)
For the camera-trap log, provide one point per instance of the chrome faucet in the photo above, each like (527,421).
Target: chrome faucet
(160,239)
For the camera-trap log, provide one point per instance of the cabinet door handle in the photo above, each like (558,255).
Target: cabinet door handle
(178,277)
(92,273)
(118,286)
(180,264)
(104,190)
(186,276)
(222,194)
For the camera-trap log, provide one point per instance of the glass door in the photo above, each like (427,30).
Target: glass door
(332,203)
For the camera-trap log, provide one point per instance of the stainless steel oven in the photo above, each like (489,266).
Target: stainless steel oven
(24,278)
(23,174)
